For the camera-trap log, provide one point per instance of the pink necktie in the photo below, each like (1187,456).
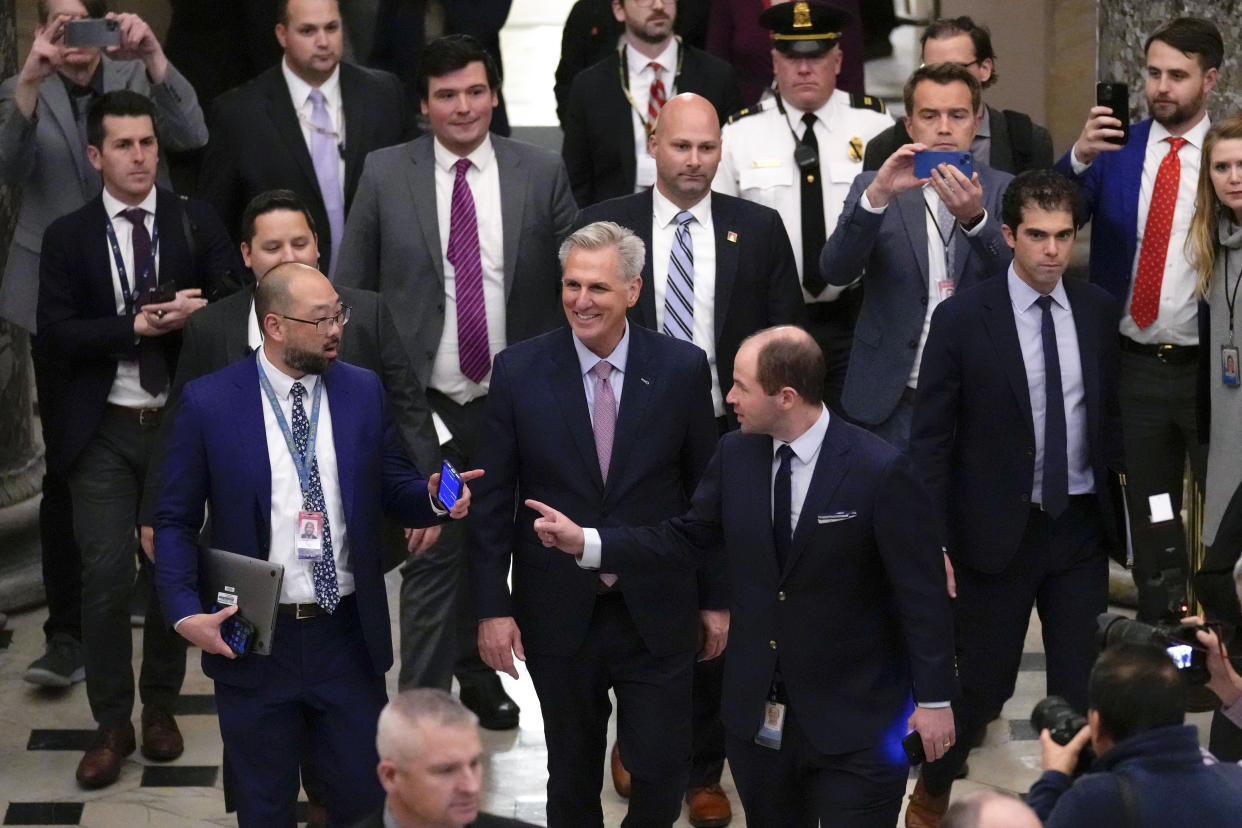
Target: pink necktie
(604,421)
(473,353)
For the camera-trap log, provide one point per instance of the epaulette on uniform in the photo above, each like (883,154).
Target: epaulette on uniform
(750,110)
(866,102)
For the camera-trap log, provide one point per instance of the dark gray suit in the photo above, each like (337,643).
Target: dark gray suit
(392,245)
(889,252)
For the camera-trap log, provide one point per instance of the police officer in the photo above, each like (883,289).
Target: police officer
(798,152)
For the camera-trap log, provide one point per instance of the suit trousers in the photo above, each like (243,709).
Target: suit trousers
(800,787)
(1159,431)
(318,693)
(439,632)
(106,484)
(1060,570)
(653,721)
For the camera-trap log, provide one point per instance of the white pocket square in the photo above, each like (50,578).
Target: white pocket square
(836,517)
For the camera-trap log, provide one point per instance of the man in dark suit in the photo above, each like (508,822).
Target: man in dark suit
(913,242)
(636,406)
(242,445)
(305,125)
(464,283)
(614,104)
(831,571)
(117,348)
(431,764)
(1016,430)
(1137,250)
(739,277)
(1005,140)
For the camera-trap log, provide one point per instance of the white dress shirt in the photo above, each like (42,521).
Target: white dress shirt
(126,388)
(641,76)
(703,238)
(1029,319)
(299,93)
(287,500)
(483,177)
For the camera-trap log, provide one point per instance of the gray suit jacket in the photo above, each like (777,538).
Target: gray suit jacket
(46,157)
(392,241)
(889,252)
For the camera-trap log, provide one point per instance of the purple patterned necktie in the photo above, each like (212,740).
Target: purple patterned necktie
(604,421)
(152,369)
(326,156)
(473,353)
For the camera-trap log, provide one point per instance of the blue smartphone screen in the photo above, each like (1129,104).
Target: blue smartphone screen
(450,485)
(926,161)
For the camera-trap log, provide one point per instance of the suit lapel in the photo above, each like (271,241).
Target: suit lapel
(56,100)
(285,122)
(514,188)
(830,470)
(99,259)
(175,264)
(913,212)
(1003,332)
(344,435)
(642,378)
(641,220)
(1084,327)
(622,121)
(726,260)
(565,381)
(237,328)
(421,178)
(251,441)
(357,141)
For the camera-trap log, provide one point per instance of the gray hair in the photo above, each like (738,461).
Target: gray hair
(631,251)
(411,707)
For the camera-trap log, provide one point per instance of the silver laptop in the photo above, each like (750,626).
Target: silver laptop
(250,583)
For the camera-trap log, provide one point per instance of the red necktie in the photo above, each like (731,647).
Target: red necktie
(1145,304)
(658,96)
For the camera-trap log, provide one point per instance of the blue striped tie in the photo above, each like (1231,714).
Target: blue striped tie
(679,295)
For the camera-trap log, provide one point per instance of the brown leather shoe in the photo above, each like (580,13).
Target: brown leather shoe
(620,776)
(925,810)
(161,739)
(102,763)
(709,807)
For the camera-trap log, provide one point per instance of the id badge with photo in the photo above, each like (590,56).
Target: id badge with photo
(945,288)
(1229,365)
(309,536)
(773,727)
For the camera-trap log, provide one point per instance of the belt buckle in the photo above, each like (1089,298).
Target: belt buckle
(310,607)
(142,417)
(1163,351)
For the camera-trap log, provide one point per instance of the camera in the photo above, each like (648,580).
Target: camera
(1063,723)
(1178,640)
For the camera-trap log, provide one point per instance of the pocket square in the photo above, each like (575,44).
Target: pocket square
(836,517)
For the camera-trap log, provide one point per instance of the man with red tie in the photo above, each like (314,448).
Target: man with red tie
(1140,197)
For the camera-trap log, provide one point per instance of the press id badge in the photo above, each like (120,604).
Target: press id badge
(945,288)
(770,733)
(309,541)
(1229,365)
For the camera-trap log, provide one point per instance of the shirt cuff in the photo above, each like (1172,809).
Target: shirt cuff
(934,704)
(1077,166)
(592,549)
(178,624)
(974,231)
(865,203)
(436,507)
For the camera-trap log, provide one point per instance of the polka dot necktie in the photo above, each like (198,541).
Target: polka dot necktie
(323,574)
(1145,304)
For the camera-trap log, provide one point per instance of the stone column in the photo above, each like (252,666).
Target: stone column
(21,453)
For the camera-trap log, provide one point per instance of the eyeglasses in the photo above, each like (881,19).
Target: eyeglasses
(646,4)
(341,318)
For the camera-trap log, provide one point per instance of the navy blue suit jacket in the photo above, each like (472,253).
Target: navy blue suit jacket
(218,455)
(858,617)
(973,435)
(1110,193)
(538,443)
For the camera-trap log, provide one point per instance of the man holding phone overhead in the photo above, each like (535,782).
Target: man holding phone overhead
(917,240)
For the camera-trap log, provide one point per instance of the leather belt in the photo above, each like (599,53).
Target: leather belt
(144,417)
(308,609)
(1166,353)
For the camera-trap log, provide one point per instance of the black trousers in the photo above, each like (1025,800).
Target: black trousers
(798,786)
(653,722)
(1058,569)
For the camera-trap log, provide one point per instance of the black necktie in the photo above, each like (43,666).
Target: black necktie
(813,231)
(782,506)
(152,368)
(1055,495)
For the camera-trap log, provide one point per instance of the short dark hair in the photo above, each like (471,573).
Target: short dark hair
(792,362)
(943,74)
(121,103)
(94,8)
(980,37)
(1136,688)
(1045,189)
(1191,36)
(270,201)
(451,53)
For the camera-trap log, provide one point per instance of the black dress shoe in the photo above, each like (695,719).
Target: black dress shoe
(496,711)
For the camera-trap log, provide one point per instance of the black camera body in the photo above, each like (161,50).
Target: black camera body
(1063,723)
(1178,640)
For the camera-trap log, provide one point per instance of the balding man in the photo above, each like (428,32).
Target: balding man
(830,572)
(989,809)
(266,460)
(718,268)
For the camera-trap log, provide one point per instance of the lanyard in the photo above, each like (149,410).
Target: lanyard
(939,232)
(625,84)
(1231,298)
(805,157)
(300,462)
(120,262)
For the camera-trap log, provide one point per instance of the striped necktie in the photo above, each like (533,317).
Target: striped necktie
(679,294)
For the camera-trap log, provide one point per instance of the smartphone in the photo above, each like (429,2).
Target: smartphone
(236,631)
(98,32)
(927,160)
(1116,96)
(164,292)
(450,485)
(913,746)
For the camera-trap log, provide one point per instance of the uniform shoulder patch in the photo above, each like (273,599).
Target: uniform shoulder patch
(742,113)
(866,102)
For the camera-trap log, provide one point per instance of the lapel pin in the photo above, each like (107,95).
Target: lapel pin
(645,381)
(731,236)
(856,149)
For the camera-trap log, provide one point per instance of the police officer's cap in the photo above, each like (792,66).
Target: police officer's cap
(803,28)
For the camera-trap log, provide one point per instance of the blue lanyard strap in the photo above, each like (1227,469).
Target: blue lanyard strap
(120,262)
(300,462)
